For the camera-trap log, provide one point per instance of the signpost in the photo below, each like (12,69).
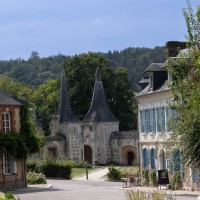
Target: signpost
(163,178)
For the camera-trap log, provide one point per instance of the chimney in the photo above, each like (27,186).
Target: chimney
(173,47)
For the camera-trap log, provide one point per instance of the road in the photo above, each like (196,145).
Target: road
(80,189)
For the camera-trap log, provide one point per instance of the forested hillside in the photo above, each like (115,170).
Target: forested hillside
(36,71)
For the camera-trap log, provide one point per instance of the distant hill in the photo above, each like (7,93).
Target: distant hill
(36,70)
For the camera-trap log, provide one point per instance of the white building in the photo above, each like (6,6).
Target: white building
(154,117)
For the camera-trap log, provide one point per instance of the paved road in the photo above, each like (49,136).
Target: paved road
(78,189)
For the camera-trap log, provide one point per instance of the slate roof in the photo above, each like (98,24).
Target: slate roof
(65,110)
(156,67)
(99,110)
(6,99)
(146,90)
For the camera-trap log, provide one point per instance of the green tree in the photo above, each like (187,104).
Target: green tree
(15,88)
(80,72)
(185,72)
(46,99)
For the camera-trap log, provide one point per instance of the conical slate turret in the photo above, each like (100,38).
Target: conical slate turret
(99,110)
(65,110)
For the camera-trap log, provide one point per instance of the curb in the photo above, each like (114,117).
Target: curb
(31,188)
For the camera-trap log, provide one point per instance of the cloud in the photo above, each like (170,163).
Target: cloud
(98,21)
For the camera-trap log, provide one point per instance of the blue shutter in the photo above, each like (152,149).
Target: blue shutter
(167,118)
(141,122)
(163,118)
(144,155)
(149,125)
(146,121)
(195,172)
(158,119)
(153,158)
(153,120)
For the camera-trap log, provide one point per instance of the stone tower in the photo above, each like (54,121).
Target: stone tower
(97,127)
(65,122)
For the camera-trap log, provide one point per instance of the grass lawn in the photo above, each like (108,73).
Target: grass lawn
(82,171)
(132,170)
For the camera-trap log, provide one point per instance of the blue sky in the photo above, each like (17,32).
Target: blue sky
(79,26)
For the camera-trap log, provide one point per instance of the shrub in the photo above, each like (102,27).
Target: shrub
(7,196)
(35,178)
(56,169)
(152,177)
(176,181)
(114,173)
(145,177)
(33,166)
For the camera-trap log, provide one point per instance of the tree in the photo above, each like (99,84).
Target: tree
(80,72)
(34,55)
(185,72)
(46,99)
(15,88)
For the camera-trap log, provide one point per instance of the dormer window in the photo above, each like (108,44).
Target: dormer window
(6,122)
(151,82)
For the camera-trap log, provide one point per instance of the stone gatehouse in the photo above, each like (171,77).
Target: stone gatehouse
(96,138)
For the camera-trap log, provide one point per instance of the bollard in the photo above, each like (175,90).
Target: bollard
(86,171)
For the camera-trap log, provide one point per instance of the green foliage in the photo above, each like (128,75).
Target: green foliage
(7,196)
(133,170)
(145,177)
(185,72)
(14,88)
(176,181)
(13,144)
(33,166)
(80,72)
(46,99)
(152,178)
(35,178)
(56,169)
(27,131)
(113,173)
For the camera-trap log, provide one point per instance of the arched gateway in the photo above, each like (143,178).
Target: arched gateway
(88,154)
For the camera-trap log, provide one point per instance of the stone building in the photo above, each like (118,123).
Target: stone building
(96,138)
(12,171)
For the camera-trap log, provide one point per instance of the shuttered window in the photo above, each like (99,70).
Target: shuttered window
(153,120)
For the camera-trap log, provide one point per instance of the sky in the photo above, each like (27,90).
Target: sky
(73,27)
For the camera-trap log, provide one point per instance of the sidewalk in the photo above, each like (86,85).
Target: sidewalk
(94,176)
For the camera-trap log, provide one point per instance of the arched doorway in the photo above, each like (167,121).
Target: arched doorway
(88,154)
(130,158)
(129,155)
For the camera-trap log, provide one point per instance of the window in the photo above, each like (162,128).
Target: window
(9,164)
(6,122)
(147,121)
(151,82)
